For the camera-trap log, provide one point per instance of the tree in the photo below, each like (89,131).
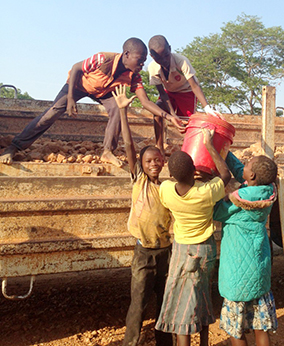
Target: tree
(234,66)
(151,90)
(9,92)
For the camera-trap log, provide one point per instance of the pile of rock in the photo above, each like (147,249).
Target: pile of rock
(47,150)
(255,150)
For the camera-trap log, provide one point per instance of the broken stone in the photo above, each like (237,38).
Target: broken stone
(82,150)
(60,158)
(5,141)
(71,159)
(50,158)
(87,158)
(79,158)
(34,155)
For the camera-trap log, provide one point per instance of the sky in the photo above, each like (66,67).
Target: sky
(40,40)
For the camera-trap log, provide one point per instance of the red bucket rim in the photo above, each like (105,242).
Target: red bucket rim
(214,120)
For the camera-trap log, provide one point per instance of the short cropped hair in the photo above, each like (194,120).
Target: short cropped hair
(181,166)
(158,41)
(134,44)
(265,170)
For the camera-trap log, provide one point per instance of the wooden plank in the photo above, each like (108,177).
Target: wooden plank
(281,205)
(268,120)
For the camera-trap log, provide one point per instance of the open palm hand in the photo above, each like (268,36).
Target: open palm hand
(121,98)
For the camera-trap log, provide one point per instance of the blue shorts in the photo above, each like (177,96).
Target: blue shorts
(259,314)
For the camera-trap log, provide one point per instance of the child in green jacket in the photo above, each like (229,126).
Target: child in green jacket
(245,262)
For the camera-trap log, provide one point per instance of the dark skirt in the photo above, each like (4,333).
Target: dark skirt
(187,304)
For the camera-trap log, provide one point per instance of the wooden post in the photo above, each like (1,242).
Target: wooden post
(268,142)
(268,121)
(281,205)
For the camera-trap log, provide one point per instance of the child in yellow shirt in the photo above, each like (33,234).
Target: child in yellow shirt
(187,306)
(149,223)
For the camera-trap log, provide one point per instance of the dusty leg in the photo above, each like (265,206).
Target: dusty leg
(159,127)
(163,260)
(39,125)
(261,338)
(183,340)
(159,133)
(204,336)
(239,342)
(142,282)
(112,131)
(7,156)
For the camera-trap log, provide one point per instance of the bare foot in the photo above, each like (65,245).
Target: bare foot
(107,156)
(7,156)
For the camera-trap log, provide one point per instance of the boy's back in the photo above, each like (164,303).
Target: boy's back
(193,212)
(187,306)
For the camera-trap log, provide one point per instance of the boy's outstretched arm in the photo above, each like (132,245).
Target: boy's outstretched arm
(165,98)
(195,87)
(221,165)
(156,110)
(123,102)
(198,93)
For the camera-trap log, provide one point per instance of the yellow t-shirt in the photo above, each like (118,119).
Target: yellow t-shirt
(149,220)
(193,212)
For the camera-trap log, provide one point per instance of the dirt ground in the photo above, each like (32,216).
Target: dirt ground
(89,308)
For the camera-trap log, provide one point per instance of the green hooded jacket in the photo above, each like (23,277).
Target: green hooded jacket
(245,262)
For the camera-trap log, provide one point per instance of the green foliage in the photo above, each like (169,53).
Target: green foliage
(151,90)
(233,66)
(8,92)
(280,111)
